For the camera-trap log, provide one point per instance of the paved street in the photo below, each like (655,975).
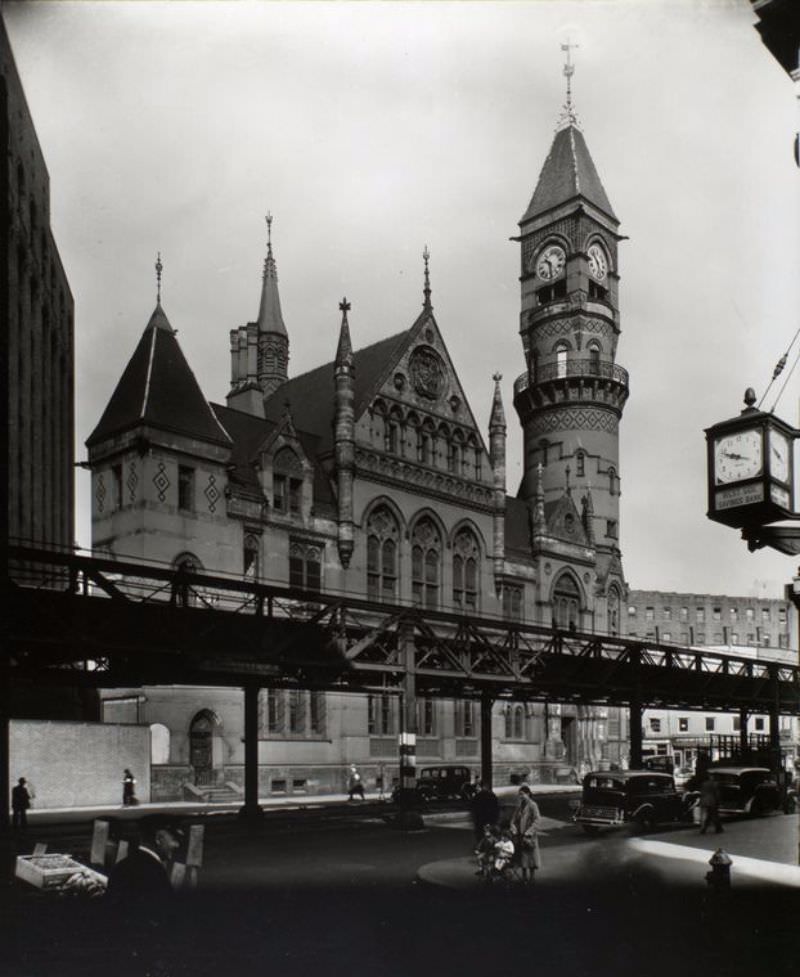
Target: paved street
(345,891)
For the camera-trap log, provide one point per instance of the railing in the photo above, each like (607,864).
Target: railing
(573,367)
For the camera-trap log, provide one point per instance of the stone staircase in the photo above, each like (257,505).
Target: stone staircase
(227,793)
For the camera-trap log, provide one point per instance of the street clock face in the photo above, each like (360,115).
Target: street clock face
(551,263)
(778,456)
(739,456)
(598,263)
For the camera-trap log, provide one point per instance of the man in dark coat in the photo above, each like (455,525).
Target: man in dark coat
(485,809)
(20,802)
(141,879)
(709,805)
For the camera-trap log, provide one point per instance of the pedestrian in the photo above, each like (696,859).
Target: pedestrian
(128,785)
(354,783)
(485,808)
(141,879)
(524,827)
(20,802)
(709,805)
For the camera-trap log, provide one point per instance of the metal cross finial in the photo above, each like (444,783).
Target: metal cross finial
(427,290)
(569,70)
(159,269)
(344,306)
(497,376)
(268,219)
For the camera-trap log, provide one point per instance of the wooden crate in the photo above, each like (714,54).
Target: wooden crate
(46,871)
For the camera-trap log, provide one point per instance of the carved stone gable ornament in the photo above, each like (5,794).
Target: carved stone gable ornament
(428,372)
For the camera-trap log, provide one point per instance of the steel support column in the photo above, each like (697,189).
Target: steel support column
(487,773)
(408,716)
(775,718)
(743,743)
(5,766)
(635,718)
(251,807)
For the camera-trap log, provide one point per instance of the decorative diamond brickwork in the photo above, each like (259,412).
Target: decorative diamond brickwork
(161,481)
(212,493)
(132,482)
(570,420)
(100,493)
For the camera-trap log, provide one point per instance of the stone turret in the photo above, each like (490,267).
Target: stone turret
(344,436)
(497,456)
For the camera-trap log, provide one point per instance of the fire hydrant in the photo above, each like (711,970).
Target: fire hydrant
(719,878)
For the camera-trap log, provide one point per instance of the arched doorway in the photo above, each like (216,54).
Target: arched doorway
(566,603)
(202,732)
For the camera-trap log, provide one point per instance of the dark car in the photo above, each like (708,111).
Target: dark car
(641,797)
(442,782)
(745,790)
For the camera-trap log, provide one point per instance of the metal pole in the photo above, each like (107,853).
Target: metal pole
(5,762)
(408,731)
(635,713)
(251,808)
(487,774)
(775,719)
(743,716)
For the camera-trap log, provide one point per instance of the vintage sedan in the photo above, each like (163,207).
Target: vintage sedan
(640,797)
(745,790)
(442,782)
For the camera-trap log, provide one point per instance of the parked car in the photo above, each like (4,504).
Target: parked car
(745,790)
(442,782)
(641,797)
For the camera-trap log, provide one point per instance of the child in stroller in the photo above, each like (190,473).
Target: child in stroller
(502,869)
(485,851)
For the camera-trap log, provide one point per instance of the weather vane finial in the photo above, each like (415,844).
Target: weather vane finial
(568,117)
(159,269)
(427,290)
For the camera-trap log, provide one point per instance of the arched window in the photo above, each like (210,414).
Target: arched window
(182,594)
(466,567)
(379,425)
(508,722)
(250,552)
(613,611)
(580,464)
(562,351)
(594,358)
(566,602)
(203,731)
(383,534)
(613,487)
(543,446)
(159,743)
(305,566)
(519,723)
(454,453)
(287,482)
(426,550)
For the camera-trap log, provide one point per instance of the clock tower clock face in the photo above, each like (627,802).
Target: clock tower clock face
(778,456)
(738,456)
(551,262)
(598,263)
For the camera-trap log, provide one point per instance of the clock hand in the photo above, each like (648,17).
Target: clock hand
(733,455)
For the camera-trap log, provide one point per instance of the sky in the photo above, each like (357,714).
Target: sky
(370,130)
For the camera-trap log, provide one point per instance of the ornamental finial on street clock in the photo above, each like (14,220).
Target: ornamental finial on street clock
(568,116)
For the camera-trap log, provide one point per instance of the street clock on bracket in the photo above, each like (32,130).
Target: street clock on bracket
(750,468)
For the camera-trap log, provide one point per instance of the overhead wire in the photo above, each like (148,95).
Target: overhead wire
(779,367)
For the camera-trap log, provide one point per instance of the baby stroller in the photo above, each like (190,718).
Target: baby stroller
(502,864)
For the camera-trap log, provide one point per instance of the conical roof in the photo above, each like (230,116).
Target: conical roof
(568,172)
(158,388)
(270,318)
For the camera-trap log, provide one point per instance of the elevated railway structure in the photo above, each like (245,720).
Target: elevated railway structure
(108,623)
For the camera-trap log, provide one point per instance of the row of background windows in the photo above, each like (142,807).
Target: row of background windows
(710,723)
(763,639)
(700,613)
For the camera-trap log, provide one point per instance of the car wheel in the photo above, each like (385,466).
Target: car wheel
(646,822)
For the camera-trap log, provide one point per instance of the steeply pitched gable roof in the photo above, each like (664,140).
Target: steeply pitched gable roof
(158,388)
(568,172)
(310,395)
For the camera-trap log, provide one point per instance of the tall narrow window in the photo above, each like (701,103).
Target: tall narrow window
(250,556)
(466,560)
(116,477)
(382,539)
(561,360)
(185,488)
(287,482)
(594,359)
(305,566)
(296,711)
(317,713)
(580,464)
(566,602)
(426,548)
(512,602)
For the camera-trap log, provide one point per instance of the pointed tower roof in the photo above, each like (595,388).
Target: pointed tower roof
(344,350)
(497,419)
(568,172)
(158,388)
(270,318)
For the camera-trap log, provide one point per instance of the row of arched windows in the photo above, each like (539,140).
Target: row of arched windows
(406,434)
(427,549)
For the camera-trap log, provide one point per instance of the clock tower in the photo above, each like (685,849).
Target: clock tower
(571,396)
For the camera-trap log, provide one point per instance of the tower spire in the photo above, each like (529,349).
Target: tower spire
(426,291)
(159,269)
(568,116)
